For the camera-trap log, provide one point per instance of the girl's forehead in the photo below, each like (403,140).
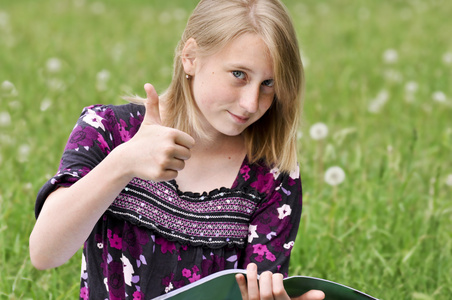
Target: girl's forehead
(247,51)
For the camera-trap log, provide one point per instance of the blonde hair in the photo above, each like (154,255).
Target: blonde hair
(215,23)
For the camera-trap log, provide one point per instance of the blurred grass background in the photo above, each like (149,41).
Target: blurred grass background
(378,75)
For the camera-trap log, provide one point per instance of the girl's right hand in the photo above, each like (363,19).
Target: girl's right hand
(156,152)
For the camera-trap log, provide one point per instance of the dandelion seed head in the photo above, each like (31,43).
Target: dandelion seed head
(334,175)
(103,75)
(117,51)
(393,75)
(447,58)
(5,119)
(389,149)
(363,13)
(79,3)
(378,102)
(56,84)
(165,18)
(390,56)
(8,88)
(4,19)
(97,8)
(53,65)
(449,180)
(179,14)
(102,79)
(318,131)
(411,87)
(23,152)
(439,96)
(45,104)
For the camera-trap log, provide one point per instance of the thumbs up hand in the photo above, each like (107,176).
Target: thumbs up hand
(156,152)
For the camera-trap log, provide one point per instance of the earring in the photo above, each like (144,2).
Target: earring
(187,76)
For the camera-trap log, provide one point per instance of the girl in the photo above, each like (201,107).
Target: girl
(200,179)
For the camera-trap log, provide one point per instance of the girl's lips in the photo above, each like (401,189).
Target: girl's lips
(239,119)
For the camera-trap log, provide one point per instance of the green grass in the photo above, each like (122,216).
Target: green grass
(385,230)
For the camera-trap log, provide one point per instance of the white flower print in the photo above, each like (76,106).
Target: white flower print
(275,172)
(295,173)
(93,119)
(289,245)
(128,270)
(252,233)
(284,211)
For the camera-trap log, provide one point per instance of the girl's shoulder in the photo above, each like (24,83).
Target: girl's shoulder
(266,179)
(121,112)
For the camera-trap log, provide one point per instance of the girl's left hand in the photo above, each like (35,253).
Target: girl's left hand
(269,286)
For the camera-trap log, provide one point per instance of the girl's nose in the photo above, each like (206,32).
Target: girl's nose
(249,99)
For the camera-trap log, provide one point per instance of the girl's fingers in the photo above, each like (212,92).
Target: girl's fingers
(266,286)
(251,277)
(152,114)
(241,281)
(312,295)
(279,292)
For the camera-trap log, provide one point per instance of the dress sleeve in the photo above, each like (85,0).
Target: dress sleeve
(274,225)
(92,138)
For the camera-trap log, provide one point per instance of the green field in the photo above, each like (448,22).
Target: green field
(378,75)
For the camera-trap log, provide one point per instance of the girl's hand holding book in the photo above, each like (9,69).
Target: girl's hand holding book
(268,286)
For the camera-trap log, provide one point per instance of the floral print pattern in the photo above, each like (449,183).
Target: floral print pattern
(123,260)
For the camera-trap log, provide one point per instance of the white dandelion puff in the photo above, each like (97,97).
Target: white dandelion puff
(79,3)
(8,88)
(53,65)
(45,104)
(56,84)
(102,79)
(97,8)
(447,58)
(23,152)
(411,87)
(439,96)
(393,75)
(5,119)
(363,13)
(449,180)
(318,131)
(334,176)
(4,19)
(390,56)
(165,18)
(377,104)
(179,14)
(117,51)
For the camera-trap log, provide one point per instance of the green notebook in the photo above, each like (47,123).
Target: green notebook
(222,286)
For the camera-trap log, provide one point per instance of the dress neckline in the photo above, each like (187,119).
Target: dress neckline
(213,192)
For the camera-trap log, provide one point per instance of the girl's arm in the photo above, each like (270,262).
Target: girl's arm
(69,214)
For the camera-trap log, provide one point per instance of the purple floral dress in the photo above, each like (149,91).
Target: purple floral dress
(155,238)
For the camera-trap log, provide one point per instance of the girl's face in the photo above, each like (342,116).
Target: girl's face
(233,88)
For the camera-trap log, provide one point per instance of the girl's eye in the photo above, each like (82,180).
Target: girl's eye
(238,74)
(268,82)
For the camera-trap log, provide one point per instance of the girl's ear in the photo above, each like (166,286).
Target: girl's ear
(189,56)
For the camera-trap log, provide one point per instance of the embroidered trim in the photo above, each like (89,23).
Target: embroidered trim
(216,219)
